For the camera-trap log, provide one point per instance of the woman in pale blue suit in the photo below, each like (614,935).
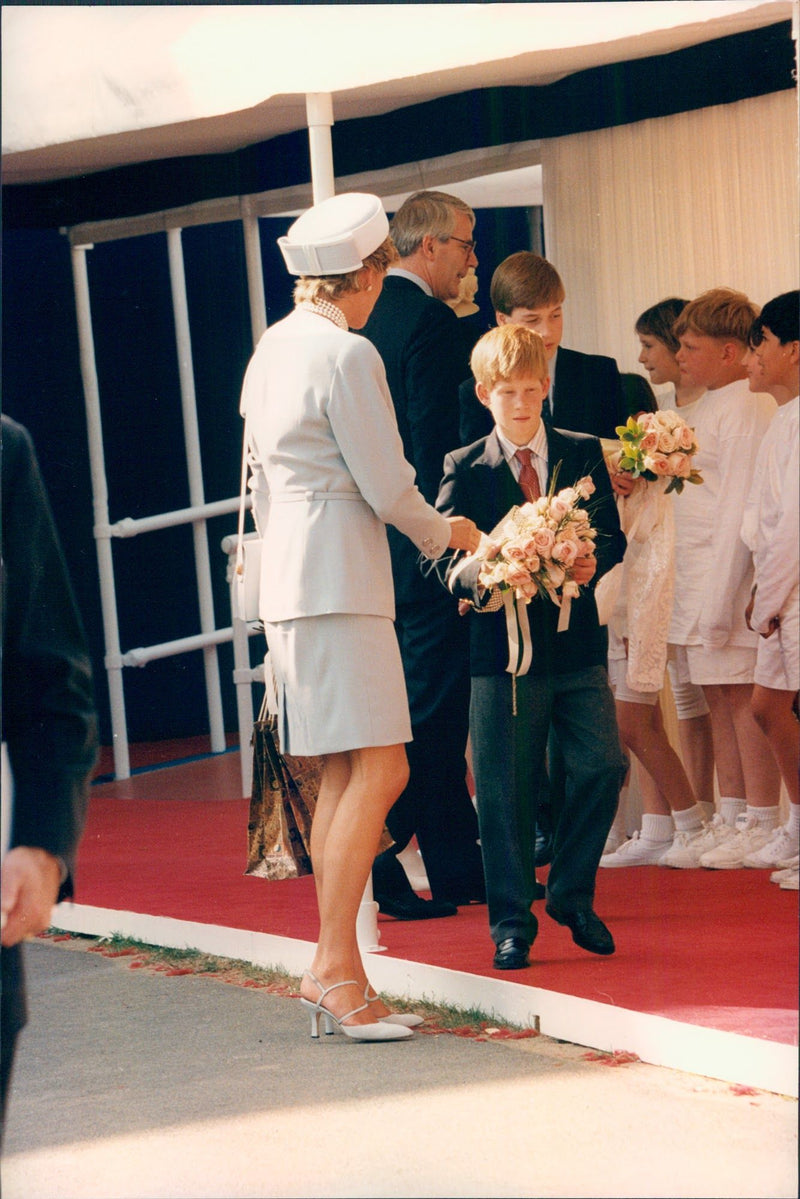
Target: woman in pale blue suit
(328,474)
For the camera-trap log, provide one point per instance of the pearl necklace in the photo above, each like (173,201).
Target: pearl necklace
(326,309)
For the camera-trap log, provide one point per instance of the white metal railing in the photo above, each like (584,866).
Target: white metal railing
(320,118)
(197,514)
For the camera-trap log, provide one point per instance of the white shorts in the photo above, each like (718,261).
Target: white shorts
(690,702)
(618,680)
(712,667)
(778,661)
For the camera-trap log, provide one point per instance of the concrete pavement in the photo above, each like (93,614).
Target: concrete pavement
(139,1085)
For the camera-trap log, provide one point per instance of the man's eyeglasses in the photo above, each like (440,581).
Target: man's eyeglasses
(469,246)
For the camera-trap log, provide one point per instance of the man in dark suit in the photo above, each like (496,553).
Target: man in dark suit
(418,337)
(525,673)
(49,723)
(586,393)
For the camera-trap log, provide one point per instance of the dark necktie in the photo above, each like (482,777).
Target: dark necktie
(528,478)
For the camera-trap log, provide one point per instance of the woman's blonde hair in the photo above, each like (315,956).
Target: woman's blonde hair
(331,287)
(506,351)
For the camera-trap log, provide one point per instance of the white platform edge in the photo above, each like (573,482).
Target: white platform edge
(657,1040)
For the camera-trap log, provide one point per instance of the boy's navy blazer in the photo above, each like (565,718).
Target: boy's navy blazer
(478,483)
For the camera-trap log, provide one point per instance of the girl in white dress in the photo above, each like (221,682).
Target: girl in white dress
(677,796)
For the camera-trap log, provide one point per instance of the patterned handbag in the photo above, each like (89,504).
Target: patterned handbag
(282,803)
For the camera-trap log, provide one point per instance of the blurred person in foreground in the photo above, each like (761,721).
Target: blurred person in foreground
(49,724)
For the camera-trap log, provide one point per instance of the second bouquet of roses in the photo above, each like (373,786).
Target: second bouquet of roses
(535,547)
(657,445)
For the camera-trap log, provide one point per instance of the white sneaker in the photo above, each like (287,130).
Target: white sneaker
(780,846)
(788,867)
(688,848)
(749,836)
(638,851)
(613,841)
(791,882)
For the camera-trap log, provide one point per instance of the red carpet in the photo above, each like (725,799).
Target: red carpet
(717,949)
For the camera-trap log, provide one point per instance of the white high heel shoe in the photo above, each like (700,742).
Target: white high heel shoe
(358,1032)
(401,1019)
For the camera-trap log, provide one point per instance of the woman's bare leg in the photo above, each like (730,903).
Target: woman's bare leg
(730,773)
(642,731)
(697,751)
(774,715)
(344,839)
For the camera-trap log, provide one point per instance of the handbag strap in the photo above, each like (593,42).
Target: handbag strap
(239,569)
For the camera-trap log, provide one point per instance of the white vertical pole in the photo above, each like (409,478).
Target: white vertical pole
(191,435)
(255,276)
(319,112)
(102,532)
(242,674)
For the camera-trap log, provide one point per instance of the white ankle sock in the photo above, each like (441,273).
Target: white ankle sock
(793,823)
(689,820)
(765,817)
(657,828)
(730,807)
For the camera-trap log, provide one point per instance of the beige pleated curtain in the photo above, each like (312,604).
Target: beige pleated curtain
(671,206)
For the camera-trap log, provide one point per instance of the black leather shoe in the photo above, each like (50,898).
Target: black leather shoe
(394,896)
(512,954)
(539,890)
(587,929)
(413,907)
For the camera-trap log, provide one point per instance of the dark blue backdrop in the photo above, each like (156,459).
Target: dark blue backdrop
(142,427)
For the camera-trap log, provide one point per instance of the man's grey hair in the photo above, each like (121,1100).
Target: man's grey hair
(426,213)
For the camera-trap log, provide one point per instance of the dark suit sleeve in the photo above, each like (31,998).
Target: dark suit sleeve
(435,365)
(589,396)
(620,402)
(475,418)
(606,395)
(454,499)
(49,721)
(610,543)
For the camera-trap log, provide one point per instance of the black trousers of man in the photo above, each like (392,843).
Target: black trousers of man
(436,804)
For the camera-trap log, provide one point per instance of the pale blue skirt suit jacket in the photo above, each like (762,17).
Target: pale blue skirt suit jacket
(327,475)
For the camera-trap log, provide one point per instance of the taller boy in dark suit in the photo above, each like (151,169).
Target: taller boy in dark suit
(585,393)
(563,677)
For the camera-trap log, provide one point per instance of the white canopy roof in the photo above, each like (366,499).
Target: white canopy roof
(87,88)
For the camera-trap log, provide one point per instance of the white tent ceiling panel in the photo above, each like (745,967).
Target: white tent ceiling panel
(90,87)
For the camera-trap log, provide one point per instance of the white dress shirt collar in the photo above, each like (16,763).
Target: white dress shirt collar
(404,274)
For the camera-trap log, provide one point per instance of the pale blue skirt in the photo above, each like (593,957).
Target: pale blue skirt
(340,683)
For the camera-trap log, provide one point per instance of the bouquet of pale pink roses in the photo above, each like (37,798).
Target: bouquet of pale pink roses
(657,445)
(534,548)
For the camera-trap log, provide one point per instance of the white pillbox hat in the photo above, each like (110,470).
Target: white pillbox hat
(335,236)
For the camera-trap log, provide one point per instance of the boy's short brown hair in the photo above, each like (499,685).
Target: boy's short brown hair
(525,280)
(506,351)
(720,312)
